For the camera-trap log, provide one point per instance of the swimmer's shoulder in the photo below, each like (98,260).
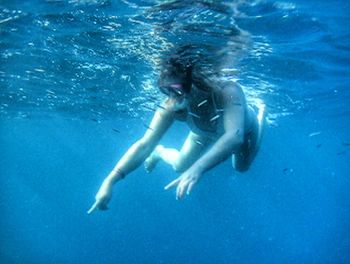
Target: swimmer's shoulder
(171,106)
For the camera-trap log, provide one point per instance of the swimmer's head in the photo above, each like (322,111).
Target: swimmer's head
(176,77)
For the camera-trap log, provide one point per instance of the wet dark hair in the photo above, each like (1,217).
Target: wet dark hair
(176,75)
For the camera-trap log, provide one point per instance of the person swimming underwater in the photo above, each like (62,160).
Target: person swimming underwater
(221,123)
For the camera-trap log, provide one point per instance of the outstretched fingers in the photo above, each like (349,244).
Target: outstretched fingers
(190,187)
(183,186)
(98,205)
(181,189)
(93,208)
(172,184)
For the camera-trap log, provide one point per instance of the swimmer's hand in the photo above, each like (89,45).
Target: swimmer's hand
(102,197)
(185,182)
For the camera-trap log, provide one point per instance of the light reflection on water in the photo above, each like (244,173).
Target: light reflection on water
(97,58)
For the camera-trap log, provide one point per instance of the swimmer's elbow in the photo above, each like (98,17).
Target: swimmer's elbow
(144,145)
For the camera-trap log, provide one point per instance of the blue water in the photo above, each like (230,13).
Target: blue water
(76,78)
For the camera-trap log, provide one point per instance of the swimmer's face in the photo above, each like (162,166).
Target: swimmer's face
(174,89)
(175,80)
(176,92)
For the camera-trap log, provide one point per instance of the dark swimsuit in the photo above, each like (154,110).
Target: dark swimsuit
(202,114)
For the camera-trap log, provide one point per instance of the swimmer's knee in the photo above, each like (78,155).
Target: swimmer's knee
(180,166)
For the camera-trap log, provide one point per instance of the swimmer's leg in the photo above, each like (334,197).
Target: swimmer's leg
(244,158)
(179,160)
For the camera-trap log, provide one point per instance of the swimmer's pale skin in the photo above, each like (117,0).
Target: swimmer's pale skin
(189,160)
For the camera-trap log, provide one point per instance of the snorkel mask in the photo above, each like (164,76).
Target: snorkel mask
(175,89)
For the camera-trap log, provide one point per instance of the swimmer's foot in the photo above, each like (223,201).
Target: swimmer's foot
(261,116)
(242,160)
(151,162)
(259,131)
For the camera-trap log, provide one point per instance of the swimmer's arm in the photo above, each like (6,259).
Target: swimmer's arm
(136,154)
(141,149)
(233,137)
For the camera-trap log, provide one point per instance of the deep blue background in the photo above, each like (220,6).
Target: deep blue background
(291,207)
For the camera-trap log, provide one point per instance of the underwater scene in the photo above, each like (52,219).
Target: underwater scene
(80,81)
